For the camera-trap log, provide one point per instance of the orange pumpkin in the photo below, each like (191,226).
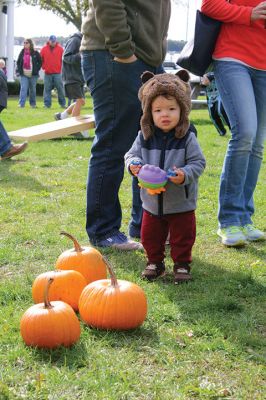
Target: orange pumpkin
(49,325)
(113,304)
(86,260)
(67,286)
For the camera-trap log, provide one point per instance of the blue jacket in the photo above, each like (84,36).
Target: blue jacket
(166,151)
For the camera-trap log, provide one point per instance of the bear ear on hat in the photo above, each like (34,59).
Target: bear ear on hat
(146,76)
(183,74)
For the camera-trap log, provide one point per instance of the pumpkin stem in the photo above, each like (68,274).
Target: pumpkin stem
(47,303)
(114,282)
(77,246)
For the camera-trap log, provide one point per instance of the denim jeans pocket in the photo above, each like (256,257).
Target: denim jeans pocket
(88,69)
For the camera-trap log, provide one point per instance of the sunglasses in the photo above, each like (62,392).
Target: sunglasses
(26,42)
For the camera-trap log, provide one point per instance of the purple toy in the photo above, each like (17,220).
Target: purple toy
(152,178)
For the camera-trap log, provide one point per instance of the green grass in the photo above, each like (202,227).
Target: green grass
(203,340)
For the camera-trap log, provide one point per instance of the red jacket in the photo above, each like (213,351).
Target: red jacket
(52,58)
(239,38)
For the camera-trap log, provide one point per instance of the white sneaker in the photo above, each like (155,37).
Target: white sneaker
(85,134)
(232,236)
(253,234)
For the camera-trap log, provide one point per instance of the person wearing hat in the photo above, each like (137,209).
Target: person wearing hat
(166,141)
(51,55)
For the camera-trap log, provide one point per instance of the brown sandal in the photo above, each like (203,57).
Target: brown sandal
(153,271)
(182,273)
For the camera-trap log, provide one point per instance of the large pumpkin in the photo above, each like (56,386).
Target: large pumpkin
(49,325)
(86,260)
(113,304)
(67,286)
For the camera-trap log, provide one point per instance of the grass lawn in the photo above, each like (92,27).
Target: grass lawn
(203,340)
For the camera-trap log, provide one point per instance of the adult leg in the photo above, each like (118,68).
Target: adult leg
(48,86)
(5,142)
(7,149)
(216,119)
(237,94)
(117,111)
(60,89)
(77,106)
(223,114)
(24,86)
(32,90)
(256,156)
(136,211)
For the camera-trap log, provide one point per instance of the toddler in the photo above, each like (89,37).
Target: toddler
(166,141)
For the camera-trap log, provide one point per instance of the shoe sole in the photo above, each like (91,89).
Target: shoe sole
(151,279)
(240,243)
(122,247)
(183,281)
(260,239)
(125,247)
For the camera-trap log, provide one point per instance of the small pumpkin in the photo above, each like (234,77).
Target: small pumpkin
(113,304)
(86,260)
(50,324)
(67,286)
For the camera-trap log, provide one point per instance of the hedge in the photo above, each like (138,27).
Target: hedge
(14,88)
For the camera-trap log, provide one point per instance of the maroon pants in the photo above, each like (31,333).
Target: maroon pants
(154,231)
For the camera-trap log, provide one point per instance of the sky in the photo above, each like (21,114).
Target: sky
(31,21)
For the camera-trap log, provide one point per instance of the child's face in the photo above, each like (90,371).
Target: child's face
(165,113)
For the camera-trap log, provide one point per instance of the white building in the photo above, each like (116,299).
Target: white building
(7,11)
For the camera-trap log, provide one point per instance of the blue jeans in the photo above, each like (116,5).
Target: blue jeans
(114,88)
(5,142)
(243,93)
(28,84)
(52,81)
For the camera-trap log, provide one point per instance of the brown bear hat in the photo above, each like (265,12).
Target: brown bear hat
(173,85)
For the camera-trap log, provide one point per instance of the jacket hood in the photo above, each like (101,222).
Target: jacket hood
(174,85)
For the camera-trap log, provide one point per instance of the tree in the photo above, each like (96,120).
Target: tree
(70,11)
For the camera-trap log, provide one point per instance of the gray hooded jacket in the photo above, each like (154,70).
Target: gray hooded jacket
(164,150)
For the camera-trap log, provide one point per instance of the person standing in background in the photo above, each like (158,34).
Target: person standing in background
(51,55)
(215,106)
(29,63)
(72,78)
(240,73)
(3,65)
(120,41)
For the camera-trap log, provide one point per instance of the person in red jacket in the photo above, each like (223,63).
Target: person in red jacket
(51,55)
(240,74)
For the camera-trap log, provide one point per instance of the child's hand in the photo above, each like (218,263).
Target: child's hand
(179,177)
(134,168)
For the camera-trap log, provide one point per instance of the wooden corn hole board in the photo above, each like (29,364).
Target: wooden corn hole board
(55,129)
